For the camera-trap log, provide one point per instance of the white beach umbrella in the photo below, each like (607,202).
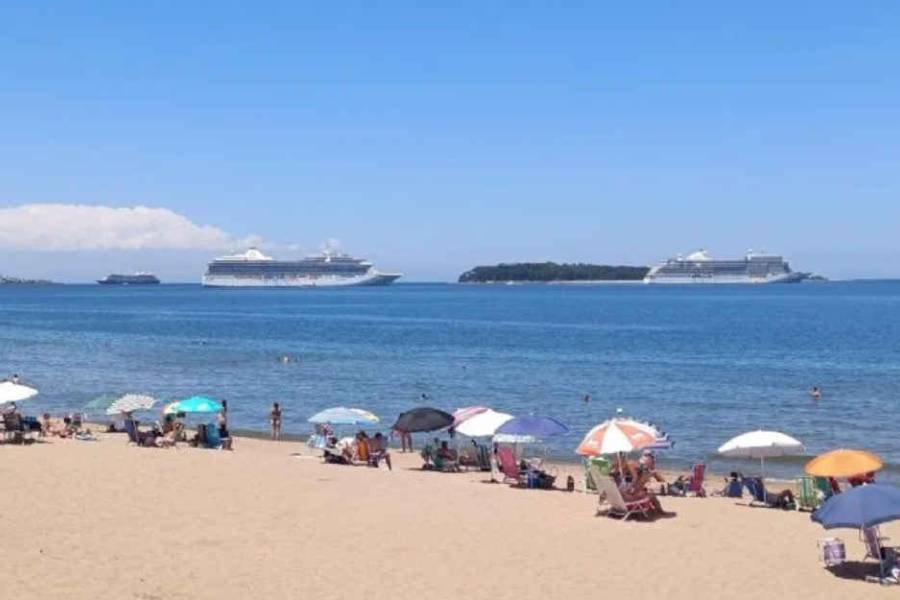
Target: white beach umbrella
(15,392)
(130,403)
(762,445)
(482,424)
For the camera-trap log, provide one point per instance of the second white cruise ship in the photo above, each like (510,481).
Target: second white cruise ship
(327,269)
(698,267)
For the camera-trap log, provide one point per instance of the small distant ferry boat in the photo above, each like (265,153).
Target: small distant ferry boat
(327,269)
(699,267)
(134,279)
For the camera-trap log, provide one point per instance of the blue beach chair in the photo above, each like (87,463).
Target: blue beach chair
(212,436)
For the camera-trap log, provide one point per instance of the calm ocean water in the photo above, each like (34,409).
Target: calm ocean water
(706,363)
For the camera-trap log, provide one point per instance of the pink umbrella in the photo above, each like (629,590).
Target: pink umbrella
(461,414)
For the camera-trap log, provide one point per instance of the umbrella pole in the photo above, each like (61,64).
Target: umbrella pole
(762,476)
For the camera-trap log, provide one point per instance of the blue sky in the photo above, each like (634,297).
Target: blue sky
(435,136)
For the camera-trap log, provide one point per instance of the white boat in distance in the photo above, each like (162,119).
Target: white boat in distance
(327,269)
(698,267)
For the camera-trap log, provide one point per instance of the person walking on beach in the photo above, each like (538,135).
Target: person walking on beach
(405,440)
(275,420)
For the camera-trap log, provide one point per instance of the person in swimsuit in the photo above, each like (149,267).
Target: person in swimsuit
(222,422)
(378,451)
(815,393)
(362,447)
(275,420)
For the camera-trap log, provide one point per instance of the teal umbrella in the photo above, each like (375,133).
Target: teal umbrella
(100,403)
(194,404)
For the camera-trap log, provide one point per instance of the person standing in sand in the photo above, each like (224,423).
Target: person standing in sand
(275,420)
(222,422)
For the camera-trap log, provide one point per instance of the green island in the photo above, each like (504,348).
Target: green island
(546,272)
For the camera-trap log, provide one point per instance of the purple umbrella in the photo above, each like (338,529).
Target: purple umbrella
(538,427)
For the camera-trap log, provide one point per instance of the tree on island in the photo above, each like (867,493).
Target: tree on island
(550,271)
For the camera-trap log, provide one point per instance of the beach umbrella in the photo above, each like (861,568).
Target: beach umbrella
(463,414)
(762,445)
(483,424)
(511,438)
(862,506)
(538,427)
(15,392)
(423,419)
(843,463)
(194,404)
(859,508)
(341,415)
(130,403)
(618,436)
(100,403)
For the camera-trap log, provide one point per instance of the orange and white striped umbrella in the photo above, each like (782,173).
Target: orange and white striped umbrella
(617,435)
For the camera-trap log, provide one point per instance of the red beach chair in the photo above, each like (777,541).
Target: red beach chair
(508,466)
(695,485)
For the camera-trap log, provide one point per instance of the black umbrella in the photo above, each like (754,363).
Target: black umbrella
(423,419)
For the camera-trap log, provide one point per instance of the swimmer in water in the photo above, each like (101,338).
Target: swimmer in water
(815,393)
(586,399)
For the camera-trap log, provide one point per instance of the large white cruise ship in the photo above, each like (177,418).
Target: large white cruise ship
(698,267)
(327,269)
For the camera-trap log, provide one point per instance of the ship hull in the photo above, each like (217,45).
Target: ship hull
(719,279)
(369,279)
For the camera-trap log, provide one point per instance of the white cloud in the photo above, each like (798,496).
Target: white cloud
(86,227)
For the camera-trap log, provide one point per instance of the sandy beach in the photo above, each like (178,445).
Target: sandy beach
(107,520)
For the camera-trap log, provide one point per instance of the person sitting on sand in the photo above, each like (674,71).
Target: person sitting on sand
(46,425)
(378,451)
(362,447)
(170,438)
(647,465)
(445,453)
(345,446)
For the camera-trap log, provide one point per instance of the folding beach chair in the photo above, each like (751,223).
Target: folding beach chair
(508,466)
(212,437)
(757,490)
(15,428)
(808,496)
(874,542)
(695,483)
(603,466)
(618,506)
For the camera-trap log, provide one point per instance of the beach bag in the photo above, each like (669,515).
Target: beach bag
(832,551)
